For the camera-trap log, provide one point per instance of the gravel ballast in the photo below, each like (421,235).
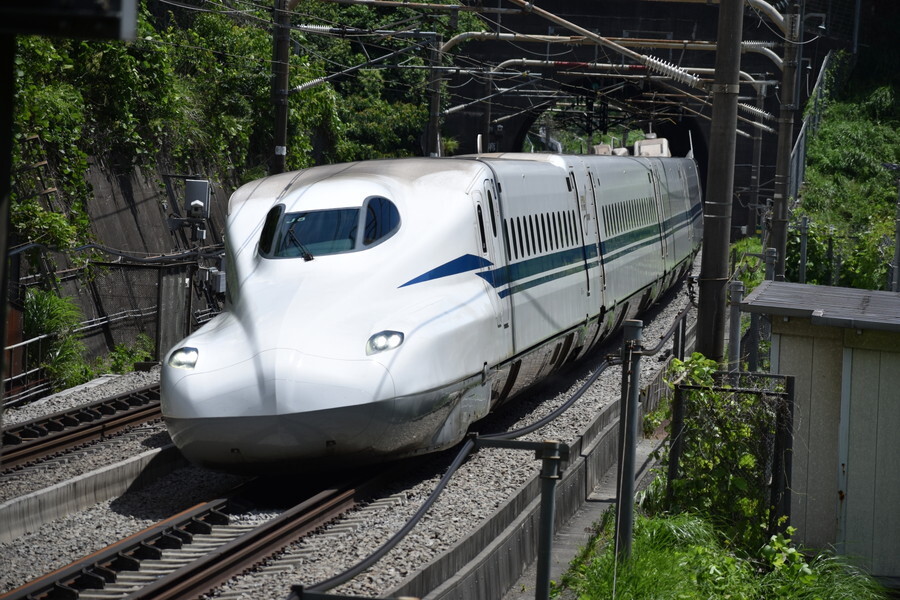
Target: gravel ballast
(486,481)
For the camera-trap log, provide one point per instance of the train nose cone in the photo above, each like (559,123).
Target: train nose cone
(277,407)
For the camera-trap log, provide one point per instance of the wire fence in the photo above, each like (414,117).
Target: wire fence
(730,449)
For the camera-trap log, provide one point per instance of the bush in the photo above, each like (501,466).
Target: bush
(725,454)
(123,357)
(848,194)
(63,356)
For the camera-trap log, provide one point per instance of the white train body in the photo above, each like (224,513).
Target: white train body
(438,288)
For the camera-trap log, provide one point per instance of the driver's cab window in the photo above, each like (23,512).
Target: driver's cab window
(308,234)
(382,219)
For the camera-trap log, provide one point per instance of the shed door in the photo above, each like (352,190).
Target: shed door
(869,448)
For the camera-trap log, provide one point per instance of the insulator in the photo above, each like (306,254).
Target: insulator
(756,111)
(315,28)
(670,70)
(758,44)
(308,84)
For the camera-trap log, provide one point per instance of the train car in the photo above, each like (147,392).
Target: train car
(375,310)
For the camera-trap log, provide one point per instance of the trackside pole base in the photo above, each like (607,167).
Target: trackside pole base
(553,454)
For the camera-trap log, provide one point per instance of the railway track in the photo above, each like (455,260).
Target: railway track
(38,439)
(191,553)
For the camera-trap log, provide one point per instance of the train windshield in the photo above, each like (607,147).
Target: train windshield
(321,232)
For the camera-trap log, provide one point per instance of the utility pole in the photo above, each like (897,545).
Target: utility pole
(720,183)
(785,138)
(281,56)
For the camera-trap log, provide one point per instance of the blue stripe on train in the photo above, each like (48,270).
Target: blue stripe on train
(556,265)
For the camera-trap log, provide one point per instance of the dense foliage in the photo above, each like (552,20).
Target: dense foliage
(725,453)
(193,94)
(61,352)
(749,266)
(707,540)
(848,194)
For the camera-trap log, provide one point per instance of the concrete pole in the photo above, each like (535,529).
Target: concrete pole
(720,183)
(771,259)
(281,56)
(785,139)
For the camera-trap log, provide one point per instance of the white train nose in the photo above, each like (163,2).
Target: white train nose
(276,406)
(271,383)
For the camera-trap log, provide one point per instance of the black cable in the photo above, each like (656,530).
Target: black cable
(210,251)
(509,435)
(352,572)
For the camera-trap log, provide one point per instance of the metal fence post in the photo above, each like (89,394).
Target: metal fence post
(783,458)
(678,341)
(736,289)
(804,237)
(753,344)
(771,257)
(675,444)
(551,469)
(628,430)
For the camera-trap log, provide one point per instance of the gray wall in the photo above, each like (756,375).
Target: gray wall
(846,467)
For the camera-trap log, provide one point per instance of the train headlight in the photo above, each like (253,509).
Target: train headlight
(383,340)
(184,358)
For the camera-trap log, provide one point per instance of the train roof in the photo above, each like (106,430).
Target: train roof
(409,169)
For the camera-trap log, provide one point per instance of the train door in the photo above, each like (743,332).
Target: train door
(494,249)
(587,227)
(664,209)
(594,198)
(685,203)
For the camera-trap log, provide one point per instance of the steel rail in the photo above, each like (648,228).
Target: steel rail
(237,556)
(39,438)
(204,574)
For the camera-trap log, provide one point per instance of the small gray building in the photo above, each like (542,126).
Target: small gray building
(843,347)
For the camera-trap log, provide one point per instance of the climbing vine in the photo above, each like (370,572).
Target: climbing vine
(192,93)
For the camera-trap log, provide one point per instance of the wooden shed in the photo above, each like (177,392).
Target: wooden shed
(843,347)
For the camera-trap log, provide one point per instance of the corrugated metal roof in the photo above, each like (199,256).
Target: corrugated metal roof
(823,305)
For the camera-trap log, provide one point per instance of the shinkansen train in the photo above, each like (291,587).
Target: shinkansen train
(376,309)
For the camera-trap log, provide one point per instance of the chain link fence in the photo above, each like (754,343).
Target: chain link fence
(730,450)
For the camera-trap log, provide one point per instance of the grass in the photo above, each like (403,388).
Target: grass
(682,556)
(672,558)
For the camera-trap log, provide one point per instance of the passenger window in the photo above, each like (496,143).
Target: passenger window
(533,248)
(481,230)
(555,232)
(490,198)
(544,231)
(382,219)
(522,250)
